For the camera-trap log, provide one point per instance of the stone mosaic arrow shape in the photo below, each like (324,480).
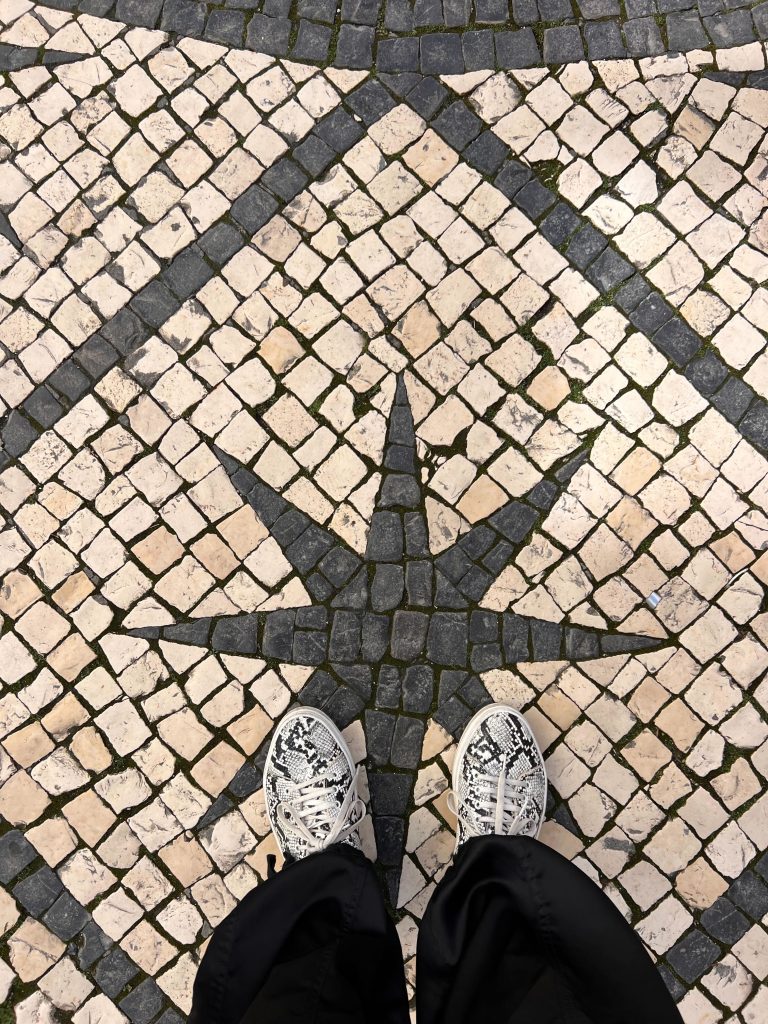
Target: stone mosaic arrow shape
(396,637)
(7,231)
(15,58)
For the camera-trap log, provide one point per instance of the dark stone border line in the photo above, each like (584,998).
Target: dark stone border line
(719,927)
(446,36)
(15,58)
(43,898)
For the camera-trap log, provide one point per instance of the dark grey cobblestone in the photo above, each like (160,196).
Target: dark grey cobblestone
(39,891)
(750,894)
(66,917)
(725,922)
(143,1003)
(114,971)
(16,853)
(693,955)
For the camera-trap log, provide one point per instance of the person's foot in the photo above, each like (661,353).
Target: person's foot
(310,785)
(499,779)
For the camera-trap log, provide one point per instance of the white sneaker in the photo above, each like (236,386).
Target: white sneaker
(499,780)
(310,785)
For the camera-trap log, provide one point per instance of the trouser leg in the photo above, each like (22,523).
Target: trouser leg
(515,934)
(313,944)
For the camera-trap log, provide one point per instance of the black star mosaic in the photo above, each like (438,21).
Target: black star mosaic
(397,637)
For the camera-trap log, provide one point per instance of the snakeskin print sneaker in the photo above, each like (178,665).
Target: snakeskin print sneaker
(310,785)
(499,780)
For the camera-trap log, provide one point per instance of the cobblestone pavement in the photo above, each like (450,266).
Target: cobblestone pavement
(441,36)
(391,393)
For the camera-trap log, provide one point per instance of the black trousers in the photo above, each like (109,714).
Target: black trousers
(513,934)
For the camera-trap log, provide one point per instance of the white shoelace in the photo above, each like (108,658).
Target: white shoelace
(313,816)
(495,793)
